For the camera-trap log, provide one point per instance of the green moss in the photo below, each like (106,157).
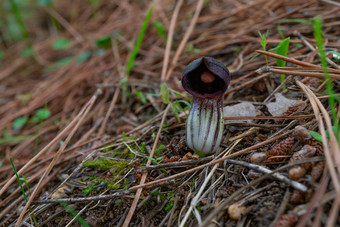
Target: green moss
(87,190)
(116,153)
(155,193)
(106,164)
(126,184)
(159,149)
(107,148)
(164,171)
(126,153)
(199,208)
(143,148)
(118,202)
(172,194)
(113,186)
(116,168)
(92,178)
(169,206)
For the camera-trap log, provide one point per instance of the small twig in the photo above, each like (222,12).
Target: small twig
(62,21)
(133,152)
(288,59)
(164,219)
(179,164)
(77,215)
(172,211)
(331,158)
(282,208)
(169,39)
(147,198)
(277,89)
(311,47)
(308,69)
(108,113)
(267,69)
(276,175)
(247,133)
(314,200)
(121,193)
(268,117)
(85,199)
(246,124)
(185,38)
(245,84)
(332,2)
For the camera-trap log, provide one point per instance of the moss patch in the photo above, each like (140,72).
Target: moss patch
(106,164)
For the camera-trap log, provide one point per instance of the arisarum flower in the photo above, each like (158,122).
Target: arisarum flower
(206,80)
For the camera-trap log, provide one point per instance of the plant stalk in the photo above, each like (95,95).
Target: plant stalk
(205,125)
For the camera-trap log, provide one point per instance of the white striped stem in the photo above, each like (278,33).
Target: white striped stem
(205,125)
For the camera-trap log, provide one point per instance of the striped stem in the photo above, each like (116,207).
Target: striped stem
(205,125)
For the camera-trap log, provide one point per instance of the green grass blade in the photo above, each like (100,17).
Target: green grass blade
(335,55)
(74,213)
(16,174)
(137,45)
(282,49)
(329,88)
(160,29)
(296,21)
(279,29)
(15,139)
(18,18)
(264,43)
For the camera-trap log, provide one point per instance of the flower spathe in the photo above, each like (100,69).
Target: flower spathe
(207,80)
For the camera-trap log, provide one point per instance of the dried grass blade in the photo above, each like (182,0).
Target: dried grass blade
(185,38)
(169,39)
(287,59)
(78,120)
(139,191)
(330,156)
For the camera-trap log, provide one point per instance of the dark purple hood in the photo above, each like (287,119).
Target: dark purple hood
(192,83)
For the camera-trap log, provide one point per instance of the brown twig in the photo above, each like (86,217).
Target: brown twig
(276,175)
(245,84)
(185,38)
(179,164)
(139,191)
(85,199)
(267,69)
(316,197)
(288,59)
(332,156)
(169,39)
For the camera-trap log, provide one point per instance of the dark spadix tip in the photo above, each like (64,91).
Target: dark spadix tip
(205,78)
